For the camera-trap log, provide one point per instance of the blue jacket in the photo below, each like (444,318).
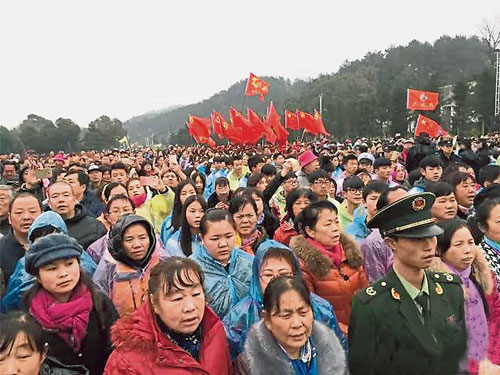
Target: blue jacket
(210,182)
(358,228)
(21,281)
(173,245)
(225,288)
(247,312)
(166,230)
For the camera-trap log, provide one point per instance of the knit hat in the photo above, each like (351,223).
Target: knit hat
(50,248)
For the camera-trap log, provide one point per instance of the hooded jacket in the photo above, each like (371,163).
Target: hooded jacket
(485,281)
(247,312)
(224,288)
(324,279)
(84,228)
(21,281)
(262,355)
(122,279)
(142,348)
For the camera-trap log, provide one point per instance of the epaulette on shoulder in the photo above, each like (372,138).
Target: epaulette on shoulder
(373,291)
(444,277)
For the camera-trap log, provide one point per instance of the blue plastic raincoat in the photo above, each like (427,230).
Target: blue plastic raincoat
(173,245)
(358,228)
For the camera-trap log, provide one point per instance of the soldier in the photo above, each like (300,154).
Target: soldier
(411,321)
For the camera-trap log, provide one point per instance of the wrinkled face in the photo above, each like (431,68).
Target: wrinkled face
(60,277)
(462,250)
(61,200)
(119,175)
(4,202)
(312,166)
(194,213)
(321,187)
(78,190)
(351,167)
(384,172)
(416,253)
(136,241)
(262,184)
(170,179)
(9,171)
(245,220)
(135,189)
(465,193)
(432,173)
(272,268)
(445,207)
(22,214)
(219,240)
(187,191)
(371,203)
(291,326)
(327,229)
(492,230)
(19,358)
(182,310)
(118,209)
(299,205)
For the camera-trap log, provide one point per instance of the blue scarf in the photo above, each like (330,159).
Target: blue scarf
(307,363)
(493,244)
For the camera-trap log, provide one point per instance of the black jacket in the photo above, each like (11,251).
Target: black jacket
(4,225)
(84,228)
(422,148)
(10,252)
(96,346)
(445,161)
(92,203)
(52,366)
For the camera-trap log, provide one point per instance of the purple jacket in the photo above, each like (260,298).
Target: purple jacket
(377,256)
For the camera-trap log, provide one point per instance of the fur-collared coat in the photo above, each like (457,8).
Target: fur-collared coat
(486,282)
(322,277)
(263,356)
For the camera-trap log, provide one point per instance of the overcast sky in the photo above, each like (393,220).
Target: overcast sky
(83,59)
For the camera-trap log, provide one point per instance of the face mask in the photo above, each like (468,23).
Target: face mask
(139,200)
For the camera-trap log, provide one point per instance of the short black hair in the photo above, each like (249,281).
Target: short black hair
(449,228)
(310,215)
(239,201)
(430,161)
(488,173)
(16,322)
(235,157)
(268,170)
(254,161)
(279,286)
(317,174)
(375,186)
(456,178)
(348,157)
(83,178)
(381,162)
(382,200)
(221,181)
(353,182)
(119,197)
(439,189)
(296,194)
(254,179)
(118,165)
(25,195)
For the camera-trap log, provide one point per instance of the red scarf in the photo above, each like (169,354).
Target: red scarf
(69,320)
(334,253)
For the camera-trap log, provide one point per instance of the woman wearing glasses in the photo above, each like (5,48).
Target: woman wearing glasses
(270,263)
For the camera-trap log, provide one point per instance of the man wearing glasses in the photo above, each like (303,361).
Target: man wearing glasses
(353,198)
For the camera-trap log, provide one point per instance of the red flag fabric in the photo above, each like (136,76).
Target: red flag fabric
(291,121)
(257,86)
(259,125)
(422,100)
(319,124)
(273,120)
(199,128)
(429,126)
(217,125)
(308,122)
(251,134)
(228,130)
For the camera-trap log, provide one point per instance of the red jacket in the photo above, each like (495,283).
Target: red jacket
(285,232)
(141,348)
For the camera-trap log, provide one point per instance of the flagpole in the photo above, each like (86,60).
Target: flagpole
(243,104)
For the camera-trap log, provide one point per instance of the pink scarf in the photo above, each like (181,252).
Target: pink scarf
(69,320)
(334,253)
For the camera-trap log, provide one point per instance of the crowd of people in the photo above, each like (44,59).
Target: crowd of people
(364,257)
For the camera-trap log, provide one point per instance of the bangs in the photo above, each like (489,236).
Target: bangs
(182,279)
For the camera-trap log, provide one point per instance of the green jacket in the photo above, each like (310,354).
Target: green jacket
(387,335)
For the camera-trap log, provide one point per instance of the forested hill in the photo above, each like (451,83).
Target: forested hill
(364,97)
(163,125)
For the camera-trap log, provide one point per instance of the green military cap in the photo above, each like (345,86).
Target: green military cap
(408,217)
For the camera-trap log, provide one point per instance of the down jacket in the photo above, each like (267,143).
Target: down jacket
(325,280)
(141,348)
(247,312)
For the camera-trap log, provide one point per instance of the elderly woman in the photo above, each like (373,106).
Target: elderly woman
(331,262)
(174,332)
(74,314)
(288,341)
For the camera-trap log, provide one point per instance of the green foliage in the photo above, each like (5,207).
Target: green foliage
(9,141)
(103,133)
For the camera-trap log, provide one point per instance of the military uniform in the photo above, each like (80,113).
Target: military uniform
(392,330)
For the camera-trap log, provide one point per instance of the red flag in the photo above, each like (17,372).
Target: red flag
(217,120)
(423,100)
(259,125)
(250,134)
(273,120)
(257,86)
(291,121)
(307,121)
(319,123)
(199,128)
(221,126)
(429,126)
